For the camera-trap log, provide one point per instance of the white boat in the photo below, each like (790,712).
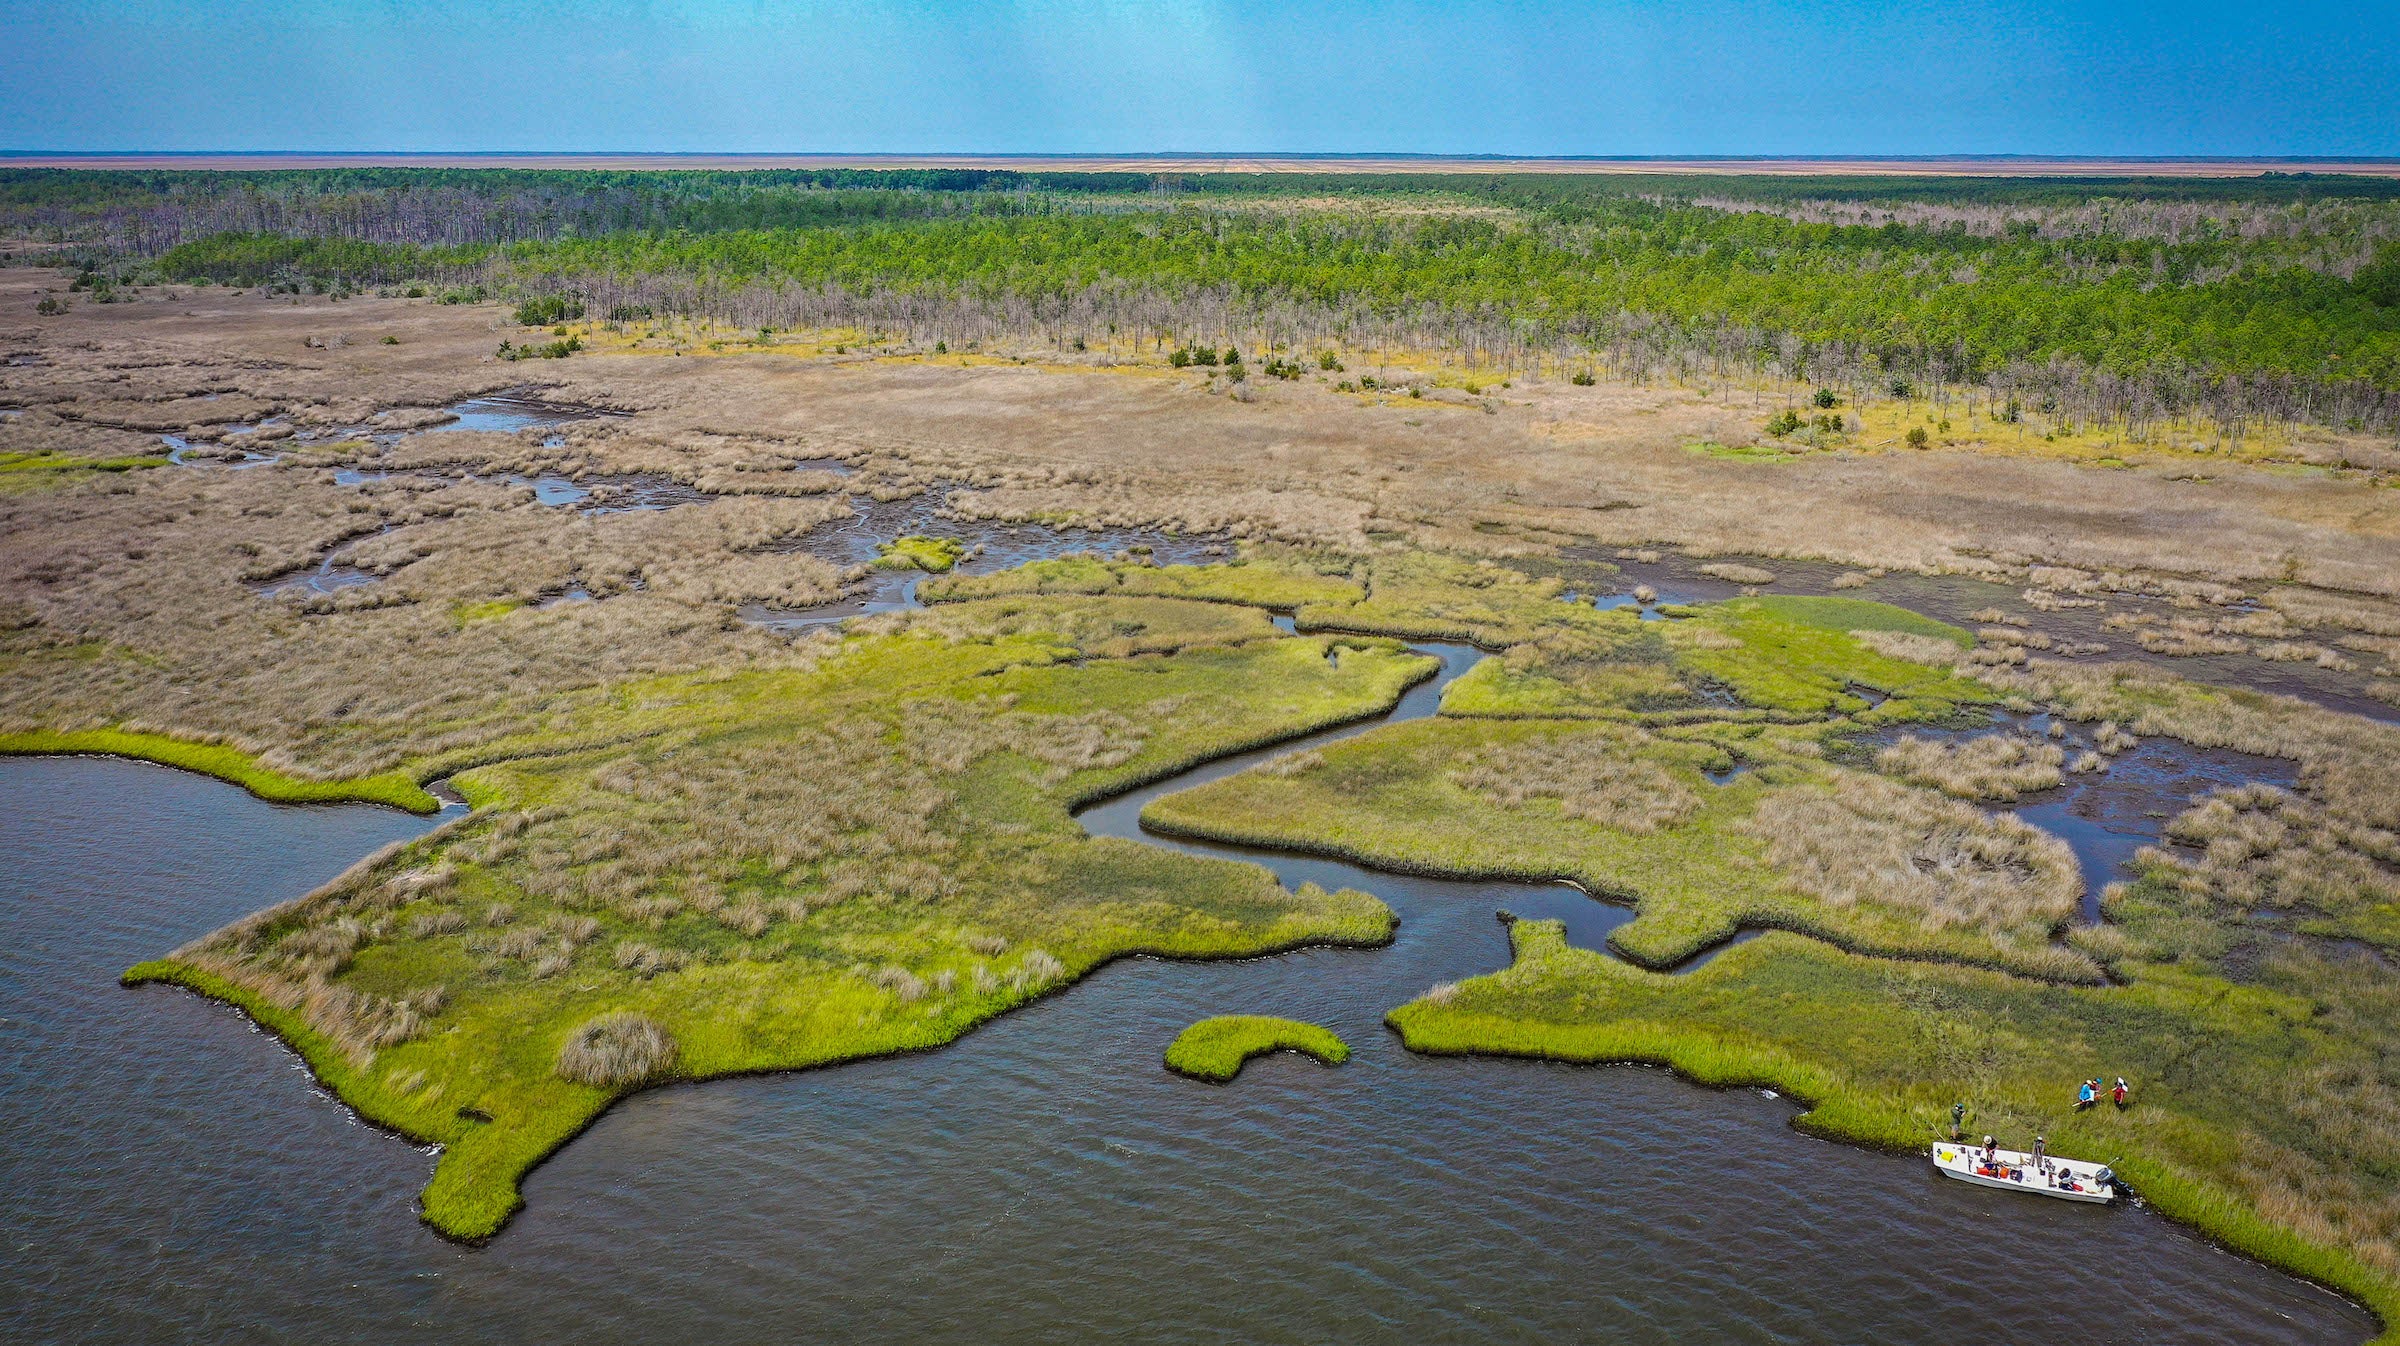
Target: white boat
(2015,1171)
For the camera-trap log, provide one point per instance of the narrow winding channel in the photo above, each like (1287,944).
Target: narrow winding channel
(175,1175)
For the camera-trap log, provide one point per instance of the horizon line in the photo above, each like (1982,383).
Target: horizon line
(2007,164)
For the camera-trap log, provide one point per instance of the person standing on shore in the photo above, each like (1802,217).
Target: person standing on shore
(1958,1121)
(2120,1093)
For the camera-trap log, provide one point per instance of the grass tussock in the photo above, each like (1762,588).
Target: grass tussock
(1735,573)
(616,1050)
(1910,647)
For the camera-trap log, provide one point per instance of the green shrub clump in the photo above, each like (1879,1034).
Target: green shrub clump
(548,350)
(545,309)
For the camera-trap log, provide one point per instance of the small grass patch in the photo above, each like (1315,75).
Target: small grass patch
(1739,453)
(36,471)
(933,555)
(1799,655)
(1216,1049)
(67,462)
(467,614)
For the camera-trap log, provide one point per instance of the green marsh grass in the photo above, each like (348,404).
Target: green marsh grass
(227,764)
(933,555)
(31,471)
(1216,1049)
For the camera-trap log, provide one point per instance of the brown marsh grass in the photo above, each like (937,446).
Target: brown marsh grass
(1988,766)
(616,1050)
(1867,840)
(1601,776)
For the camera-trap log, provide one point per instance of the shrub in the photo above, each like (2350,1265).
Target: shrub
(1583,379)
(646,960)
(552,350)
(547,309)
(1917,438)
(615,1050)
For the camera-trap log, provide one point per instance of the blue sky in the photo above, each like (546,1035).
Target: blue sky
(1086,76)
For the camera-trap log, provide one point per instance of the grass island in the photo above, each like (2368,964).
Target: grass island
(1216,1049)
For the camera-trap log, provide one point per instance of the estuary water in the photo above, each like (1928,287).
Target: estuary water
(173,1174)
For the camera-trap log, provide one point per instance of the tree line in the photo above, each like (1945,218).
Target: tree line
(2098,301)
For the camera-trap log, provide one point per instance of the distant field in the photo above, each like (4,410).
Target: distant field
(1998,165)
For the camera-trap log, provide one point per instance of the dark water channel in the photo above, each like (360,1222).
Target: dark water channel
(174,1175)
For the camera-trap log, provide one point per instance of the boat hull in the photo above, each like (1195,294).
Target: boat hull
(2065,1180)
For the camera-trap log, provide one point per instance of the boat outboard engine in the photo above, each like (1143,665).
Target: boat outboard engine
(2105,1175)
